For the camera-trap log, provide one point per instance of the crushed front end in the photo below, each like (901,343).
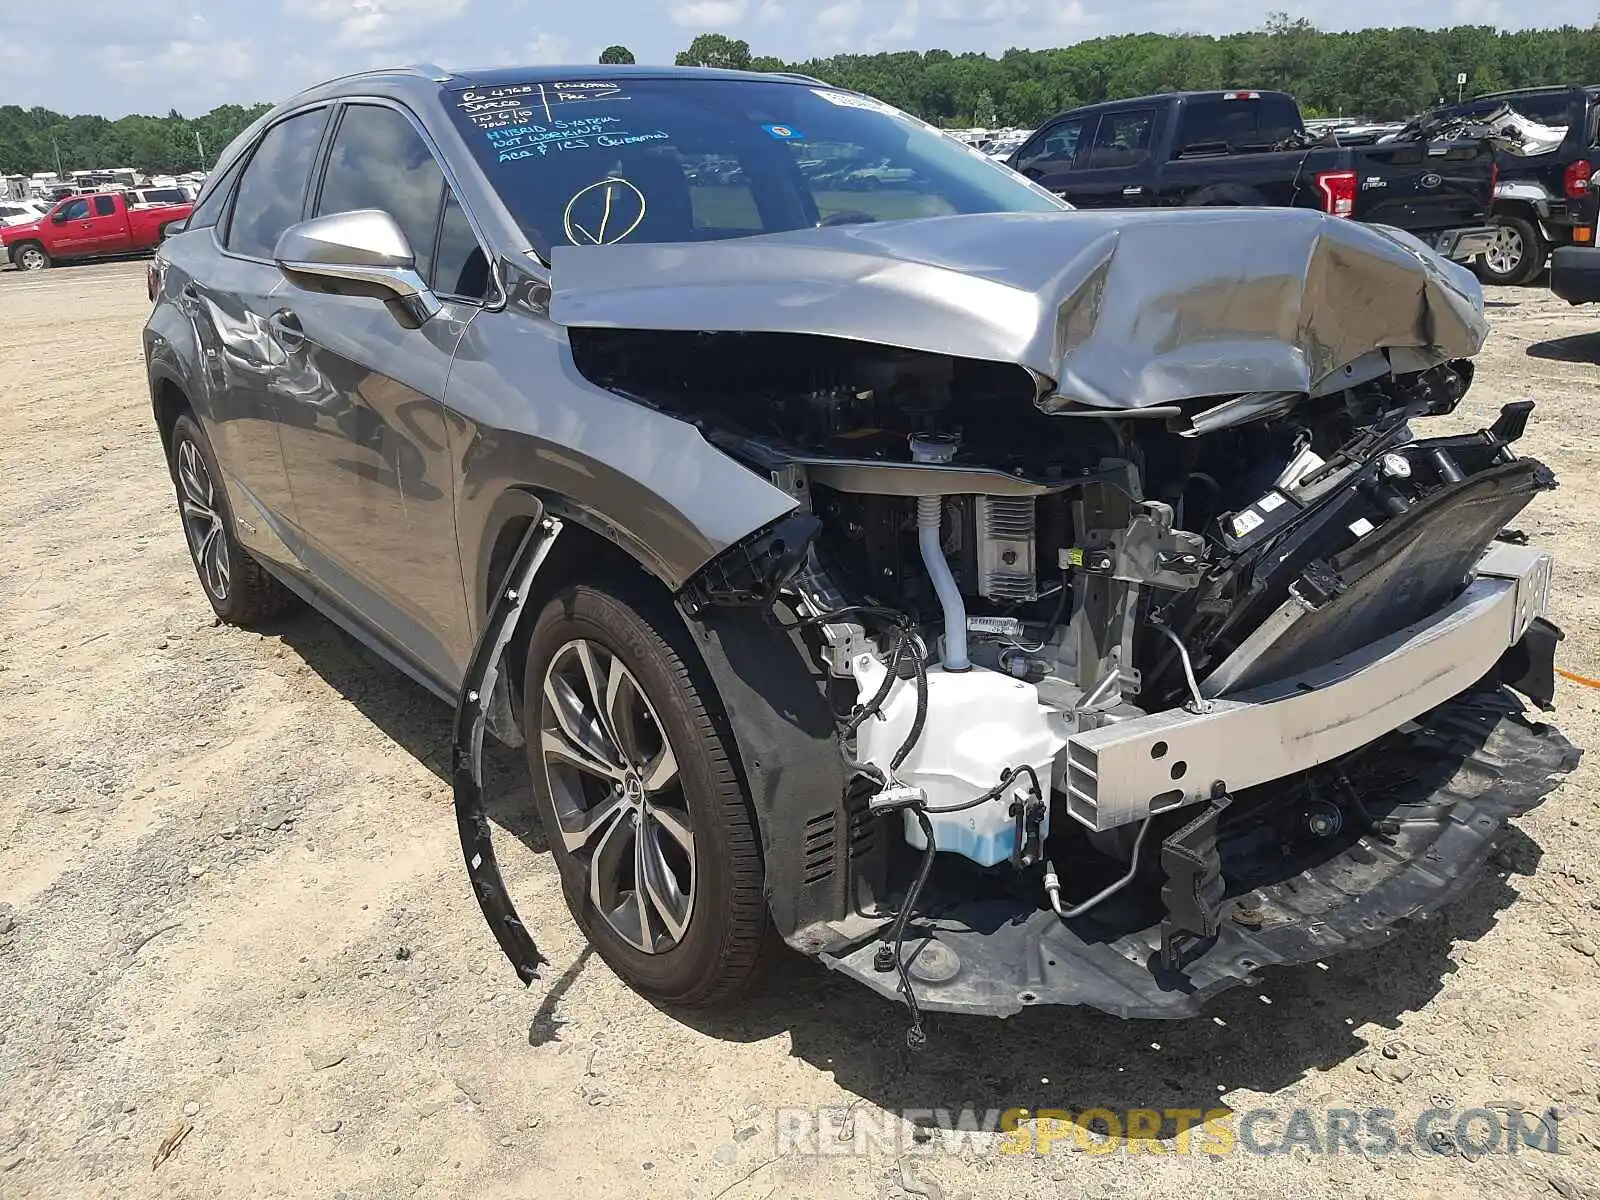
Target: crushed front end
(1044,702)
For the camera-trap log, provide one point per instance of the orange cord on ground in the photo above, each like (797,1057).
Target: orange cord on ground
(1576,678)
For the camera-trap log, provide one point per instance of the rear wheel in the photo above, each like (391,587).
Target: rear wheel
(647,819)
(1516,254)
(30,256)
(239,588)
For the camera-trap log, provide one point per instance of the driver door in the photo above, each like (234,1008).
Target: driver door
(73,227)
(1049,156)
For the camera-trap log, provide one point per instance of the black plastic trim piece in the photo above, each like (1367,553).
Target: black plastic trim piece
(466,758)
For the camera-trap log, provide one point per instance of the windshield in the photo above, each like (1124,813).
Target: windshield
(682,160)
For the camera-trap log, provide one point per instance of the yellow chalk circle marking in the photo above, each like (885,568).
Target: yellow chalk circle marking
(614,189)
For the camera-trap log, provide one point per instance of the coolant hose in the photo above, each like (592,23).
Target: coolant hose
(930,512)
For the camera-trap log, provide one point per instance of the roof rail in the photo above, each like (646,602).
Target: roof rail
(796,76)
(432,70)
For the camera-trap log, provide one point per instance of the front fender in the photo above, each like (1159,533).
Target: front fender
(524,419)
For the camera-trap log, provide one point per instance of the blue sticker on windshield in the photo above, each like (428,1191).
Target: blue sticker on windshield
(783,133)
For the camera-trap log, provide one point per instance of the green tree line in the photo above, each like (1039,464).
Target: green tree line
(1379,74)
(1373,73)
(30,139)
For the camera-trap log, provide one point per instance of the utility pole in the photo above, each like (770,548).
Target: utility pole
(200,146)
(57,145)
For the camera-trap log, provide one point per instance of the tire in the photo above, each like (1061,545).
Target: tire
(1517,255)
(240,589)
(609,827)
(30,256)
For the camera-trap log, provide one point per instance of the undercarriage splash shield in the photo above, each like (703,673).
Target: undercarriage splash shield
(1436,798)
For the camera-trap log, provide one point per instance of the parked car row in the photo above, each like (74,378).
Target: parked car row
(95,226)
(1246,148)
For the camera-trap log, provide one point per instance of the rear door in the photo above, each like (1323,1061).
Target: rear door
(1050,156)
(359,400)
(1119,170)
(108,225)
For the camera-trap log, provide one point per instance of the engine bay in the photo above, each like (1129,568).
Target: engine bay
(1005,595)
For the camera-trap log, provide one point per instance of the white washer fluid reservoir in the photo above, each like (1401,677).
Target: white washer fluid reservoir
(979,722)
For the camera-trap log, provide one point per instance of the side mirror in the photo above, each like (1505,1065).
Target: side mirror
(59,217)
(360,253)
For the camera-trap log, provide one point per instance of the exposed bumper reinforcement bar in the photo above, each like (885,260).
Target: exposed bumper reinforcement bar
(1125,771)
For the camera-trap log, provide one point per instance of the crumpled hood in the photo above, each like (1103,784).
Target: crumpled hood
(1124,309)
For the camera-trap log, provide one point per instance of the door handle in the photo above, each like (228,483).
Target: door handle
(288,331)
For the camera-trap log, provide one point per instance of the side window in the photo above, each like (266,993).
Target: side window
(1123,138)
(379,160)
(460,267)
(77,210)
(104,206)
(1057,147)
(210,209)
(273,188)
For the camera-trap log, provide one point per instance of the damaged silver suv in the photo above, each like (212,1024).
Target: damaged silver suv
(1007,605)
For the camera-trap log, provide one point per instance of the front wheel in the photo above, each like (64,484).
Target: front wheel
(239,588)
(30,256)
(647,819)
(1515,255)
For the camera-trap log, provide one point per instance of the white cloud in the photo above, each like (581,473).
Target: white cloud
(376,23)
(905,27)
(840,16)
(548,48)
(225,59)
(702,14)
(770,12)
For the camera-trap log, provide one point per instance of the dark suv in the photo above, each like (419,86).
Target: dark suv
(891,566)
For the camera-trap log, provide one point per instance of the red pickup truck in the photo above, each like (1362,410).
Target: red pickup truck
(90,226)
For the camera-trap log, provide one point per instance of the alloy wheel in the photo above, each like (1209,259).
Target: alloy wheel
(202,521)
(30,258)
(618,796)
(1505,251)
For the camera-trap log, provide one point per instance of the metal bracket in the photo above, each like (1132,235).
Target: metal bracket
(473,707)
(1194,887)
(1149,551)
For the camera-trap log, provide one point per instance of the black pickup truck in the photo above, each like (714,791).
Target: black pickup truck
(1538,199)
(1252,148)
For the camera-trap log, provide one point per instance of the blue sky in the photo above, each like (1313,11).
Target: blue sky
(152,55)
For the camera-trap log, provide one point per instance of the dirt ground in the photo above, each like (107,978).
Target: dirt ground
(234,901)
